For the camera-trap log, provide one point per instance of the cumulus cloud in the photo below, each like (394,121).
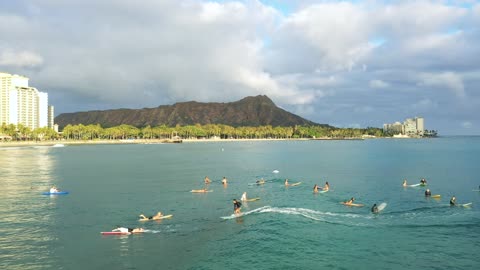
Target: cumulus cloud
(311,58)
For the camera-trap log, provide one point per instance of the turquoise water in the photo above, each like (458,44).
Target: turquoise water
(288,228)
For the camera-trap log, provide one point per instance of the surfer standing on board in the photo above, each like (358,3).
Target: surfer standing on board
(236,206)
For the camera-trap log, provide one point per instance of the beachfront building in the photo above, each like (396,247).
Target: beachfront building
(22,104)
(411,127)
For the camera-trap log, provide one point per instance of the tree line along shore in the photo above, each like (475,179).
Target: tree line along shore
(218,131)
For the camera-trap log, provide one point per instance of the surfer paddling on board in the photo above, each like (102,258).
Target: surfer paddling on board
(128,230)
(158,216)
(375,209)
(207,180)
(54,189)
(260,182)
(453,201)
(315,188)
(428,193)
(327,186)
(236,206)
(404,183)
(349,202)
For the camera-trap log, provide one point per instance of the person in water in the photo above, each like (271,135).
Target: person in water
(128,230)
(54,189)
(374,208)
(453,201)
(428,193)
(286,182)
(404,182)
(349,202)
(327,186)
(260,182)
(244,196)
(158,216)
(423,181)
(224,180)
(315,188)
(236,206)
(207,180)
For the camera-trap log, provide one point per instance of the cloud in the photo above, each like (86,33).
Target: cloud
(449,80)
(378,84)
(308,56)
(11,58)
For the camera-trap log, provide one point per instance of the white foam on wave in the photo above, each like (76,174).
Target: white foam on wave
(307,213)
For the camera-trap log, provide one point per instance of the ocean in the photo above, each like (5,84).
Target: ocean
(288,228)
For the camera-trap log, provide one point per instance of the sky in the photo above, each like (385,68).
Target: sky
(343,63)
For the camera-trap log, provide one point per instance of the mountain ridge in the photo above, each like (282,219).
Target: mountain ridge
(250,111)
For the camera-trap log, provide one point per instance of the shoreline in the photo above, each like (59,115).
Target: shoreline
(154,141)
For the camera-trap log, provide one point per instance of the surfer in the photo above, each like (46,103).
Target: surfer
(224,180)
(423,181)
(374,208)
(244,196)
(236,206)
(159,215)
(404,182)
(128,230)
(349,202)
(286,183)
(453,201)
(54,189)
(315,188)
(207,180)
(327,186)
(260,182)
(428,193)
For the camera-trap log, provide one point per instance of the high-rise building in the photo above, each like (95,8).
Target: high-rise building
(51,116)
(411,127)
(21,104)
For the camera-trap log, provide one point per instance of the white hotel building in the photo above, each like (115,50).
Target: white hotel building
(21,104)
(414,127)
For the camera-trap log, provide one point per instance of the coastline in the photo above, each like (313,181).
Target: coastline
(153,141)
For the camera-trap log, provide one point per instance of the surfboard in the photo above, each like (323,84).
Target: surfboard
(55,193)
(466,204)
(352,204)
(414,185)
(381,206)
(436,196)
(115,233)
(200,191)
(162,217)
(275,171)
(323,191)
(252,200)
(295,184)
